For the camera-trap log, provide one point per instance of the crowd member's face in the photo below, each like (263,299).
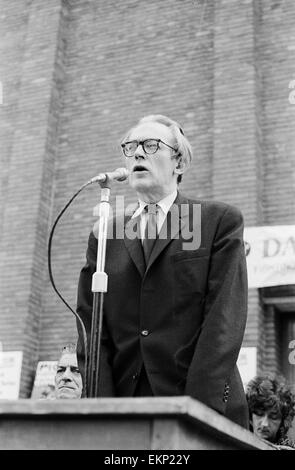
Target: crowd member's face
(266,423)
(152,176)
(68,380)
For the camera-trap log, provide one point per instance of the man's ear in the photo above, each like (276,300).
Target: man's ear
(180,166)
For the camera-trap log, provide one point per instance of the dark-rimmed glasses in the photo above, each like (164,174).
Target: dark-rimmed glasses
(149,146)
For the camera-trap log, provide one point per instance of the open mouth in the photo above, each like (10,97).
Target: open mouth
(139,168)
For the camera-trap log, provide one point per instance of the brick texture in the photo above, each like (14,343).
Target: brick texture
(27,180)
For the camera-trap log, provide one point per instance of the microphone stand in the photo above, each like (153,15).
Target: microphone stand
(99,287)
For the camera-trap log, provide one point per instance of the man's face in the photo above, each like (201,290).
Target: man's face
(266,423)
(68,380)
(152,176)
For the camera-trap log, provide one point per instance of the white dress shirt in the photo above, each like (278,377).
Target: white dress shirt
(164,207)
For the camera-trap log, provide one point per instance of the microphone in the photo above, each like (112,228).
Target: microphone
(120,174)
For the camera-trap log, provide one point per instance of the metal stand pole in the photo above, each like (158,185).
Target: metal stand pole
(99,287)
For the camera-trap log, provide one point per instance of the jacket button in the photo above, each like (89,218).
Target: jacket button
(135,376)
(145,333)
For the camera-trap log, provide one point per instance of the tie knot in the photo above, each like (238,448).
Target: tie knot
(151,208)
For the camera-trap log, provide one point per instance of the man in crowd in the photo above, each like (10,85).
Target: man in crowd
(271,408)
(68,380)
(176,306)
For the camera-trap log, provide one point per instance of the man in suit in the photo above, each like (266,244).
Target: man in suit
(176,306)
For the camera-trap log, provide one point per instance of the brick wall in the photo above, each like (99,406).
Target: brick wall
(236,165)
(277,58)
(28,175)
(76,75)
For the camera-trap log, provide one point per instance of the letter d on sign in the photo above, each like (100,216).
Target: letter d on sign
(271,247)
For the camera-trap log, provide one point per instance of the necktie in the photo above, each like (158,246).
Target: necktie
(150,233)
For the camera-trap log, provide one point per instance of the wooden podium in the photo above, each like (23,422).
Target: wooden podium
(160,423)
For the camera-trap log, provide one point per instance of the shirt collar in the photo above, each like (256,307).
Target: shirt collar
(164,204)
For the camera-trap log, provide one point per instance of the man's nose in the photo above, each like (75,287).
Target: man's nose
(264,421)
(139,152)
(67,374)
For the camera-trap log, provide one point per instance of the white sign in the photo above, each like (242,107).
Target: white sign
(247,364)
(270,254)
(44,386)
(10,373)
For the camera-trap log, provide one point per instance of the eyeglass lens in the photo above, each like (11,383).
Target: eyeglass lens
(149,146)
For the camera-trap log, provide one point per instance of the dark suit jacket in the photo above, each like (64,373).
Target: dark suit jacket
(183,316)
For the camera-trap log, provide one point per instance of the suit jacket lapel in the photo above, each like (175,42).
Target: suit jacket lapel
(133,244)
(175,222)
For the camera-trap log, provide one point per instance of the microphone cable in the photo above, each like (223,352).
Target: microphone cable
(52,280)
